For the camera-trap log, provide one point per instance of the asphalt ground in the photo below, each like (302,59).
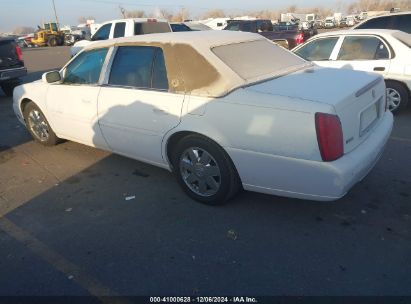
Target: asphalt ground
(66,227)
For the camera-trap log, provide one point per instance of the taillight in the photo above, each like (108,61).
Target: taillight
(19,53)
(151,20)
(329,136)
(299,39)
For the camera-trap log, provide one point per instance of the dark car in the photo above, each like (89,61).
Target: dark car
(395,21)
(288,36)
(11,65)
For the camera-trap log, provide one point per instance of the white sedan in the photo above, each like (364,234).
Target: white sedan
(385,52)
(222,110)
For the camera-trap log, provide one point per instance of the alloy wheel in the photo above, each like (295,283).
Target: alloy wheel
(200,172)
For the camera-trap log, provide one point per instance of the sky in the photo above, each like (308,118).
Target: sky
(15,13)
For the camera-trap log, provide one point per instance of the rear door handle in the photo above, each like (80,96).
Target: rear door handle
(379,69)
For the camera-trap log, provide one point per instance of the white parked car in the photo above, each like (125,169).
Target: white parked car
(385,52)
(204,106)
(123,28)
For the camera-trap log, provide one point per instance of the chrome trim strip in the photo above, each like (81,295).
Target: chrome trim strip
(368,87)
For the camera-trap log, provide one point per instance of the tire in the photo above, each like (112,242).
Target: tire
(9,86)
(38,126)
(52,41)
(397,96)
(204,170)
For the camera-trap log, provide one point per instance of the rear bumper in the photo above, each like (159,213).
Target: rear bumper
(12,73)
(313,180)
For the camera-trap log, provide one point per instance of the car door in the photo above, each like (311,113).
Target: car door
(364,53)
(72,103)
(135,108)
(103,33)
(319,50)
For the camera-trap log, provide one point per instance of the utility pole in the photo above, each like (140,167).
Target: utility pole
(55,12)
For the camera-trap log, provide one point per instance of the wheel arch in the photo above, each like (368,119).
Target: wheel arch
(173,139)
(23,103)
(402,83)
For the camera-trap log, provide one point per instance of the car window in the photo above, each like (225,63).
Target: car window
(139,67)
(247,27)
(159,78)
(103,33)
(233,26)
(180,27)
(151,27)
(377,23)
(318,50)
(403,23)
(362,48)
(85,68)
(119,29)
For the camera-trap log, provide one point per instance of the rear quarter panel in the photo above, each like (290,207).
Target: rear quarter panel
(261,123)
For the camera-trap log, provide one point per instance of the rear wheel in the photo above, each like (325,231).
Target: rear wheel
(204,170)
(397,96)
(38,125)
(52,41)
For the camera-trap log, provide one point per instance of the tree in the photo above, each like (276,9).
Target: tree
(216,13)
(182,15)
(135,14)
(165,14)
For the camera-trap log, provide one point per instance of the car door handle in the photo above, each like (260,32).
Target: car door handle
(379,69)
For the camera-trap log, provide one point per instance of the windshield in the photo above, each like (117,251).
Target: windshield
(258,59)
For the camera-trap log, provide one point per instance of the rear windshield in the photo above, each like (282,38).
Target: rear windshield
(257,59)
(404,38)
(151,28)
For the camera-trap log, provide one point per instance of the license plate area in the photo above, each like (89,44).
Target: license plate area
(369,117)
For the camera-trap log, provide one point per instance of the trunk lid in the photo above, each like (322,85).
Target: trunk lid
(357,97)
(8,55)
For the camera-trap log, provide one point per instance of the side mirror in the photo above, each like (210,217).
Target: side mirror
(51,77)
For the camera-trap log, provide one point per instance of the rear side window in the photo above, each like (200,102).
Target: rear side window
(233,26)
(85,68)
(151,27)
(377,23)
(402,23)
(363,48)
(119,29)
(247,27)
(159,79)
(180,28)
(103,33)
(139,67)
(318,50)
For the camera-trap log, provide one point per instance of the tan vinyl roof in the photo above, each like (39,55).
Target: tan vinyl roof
(192,67)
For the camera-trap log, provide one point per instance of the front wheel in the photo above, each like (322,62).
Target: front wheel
(38,125)
(397,96)
(204,170)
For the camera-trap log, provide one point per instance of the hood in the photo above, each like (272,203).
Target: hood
(324,85)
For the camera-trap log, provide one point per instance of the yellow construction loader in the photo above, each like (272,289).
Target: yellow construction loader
(49,35)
